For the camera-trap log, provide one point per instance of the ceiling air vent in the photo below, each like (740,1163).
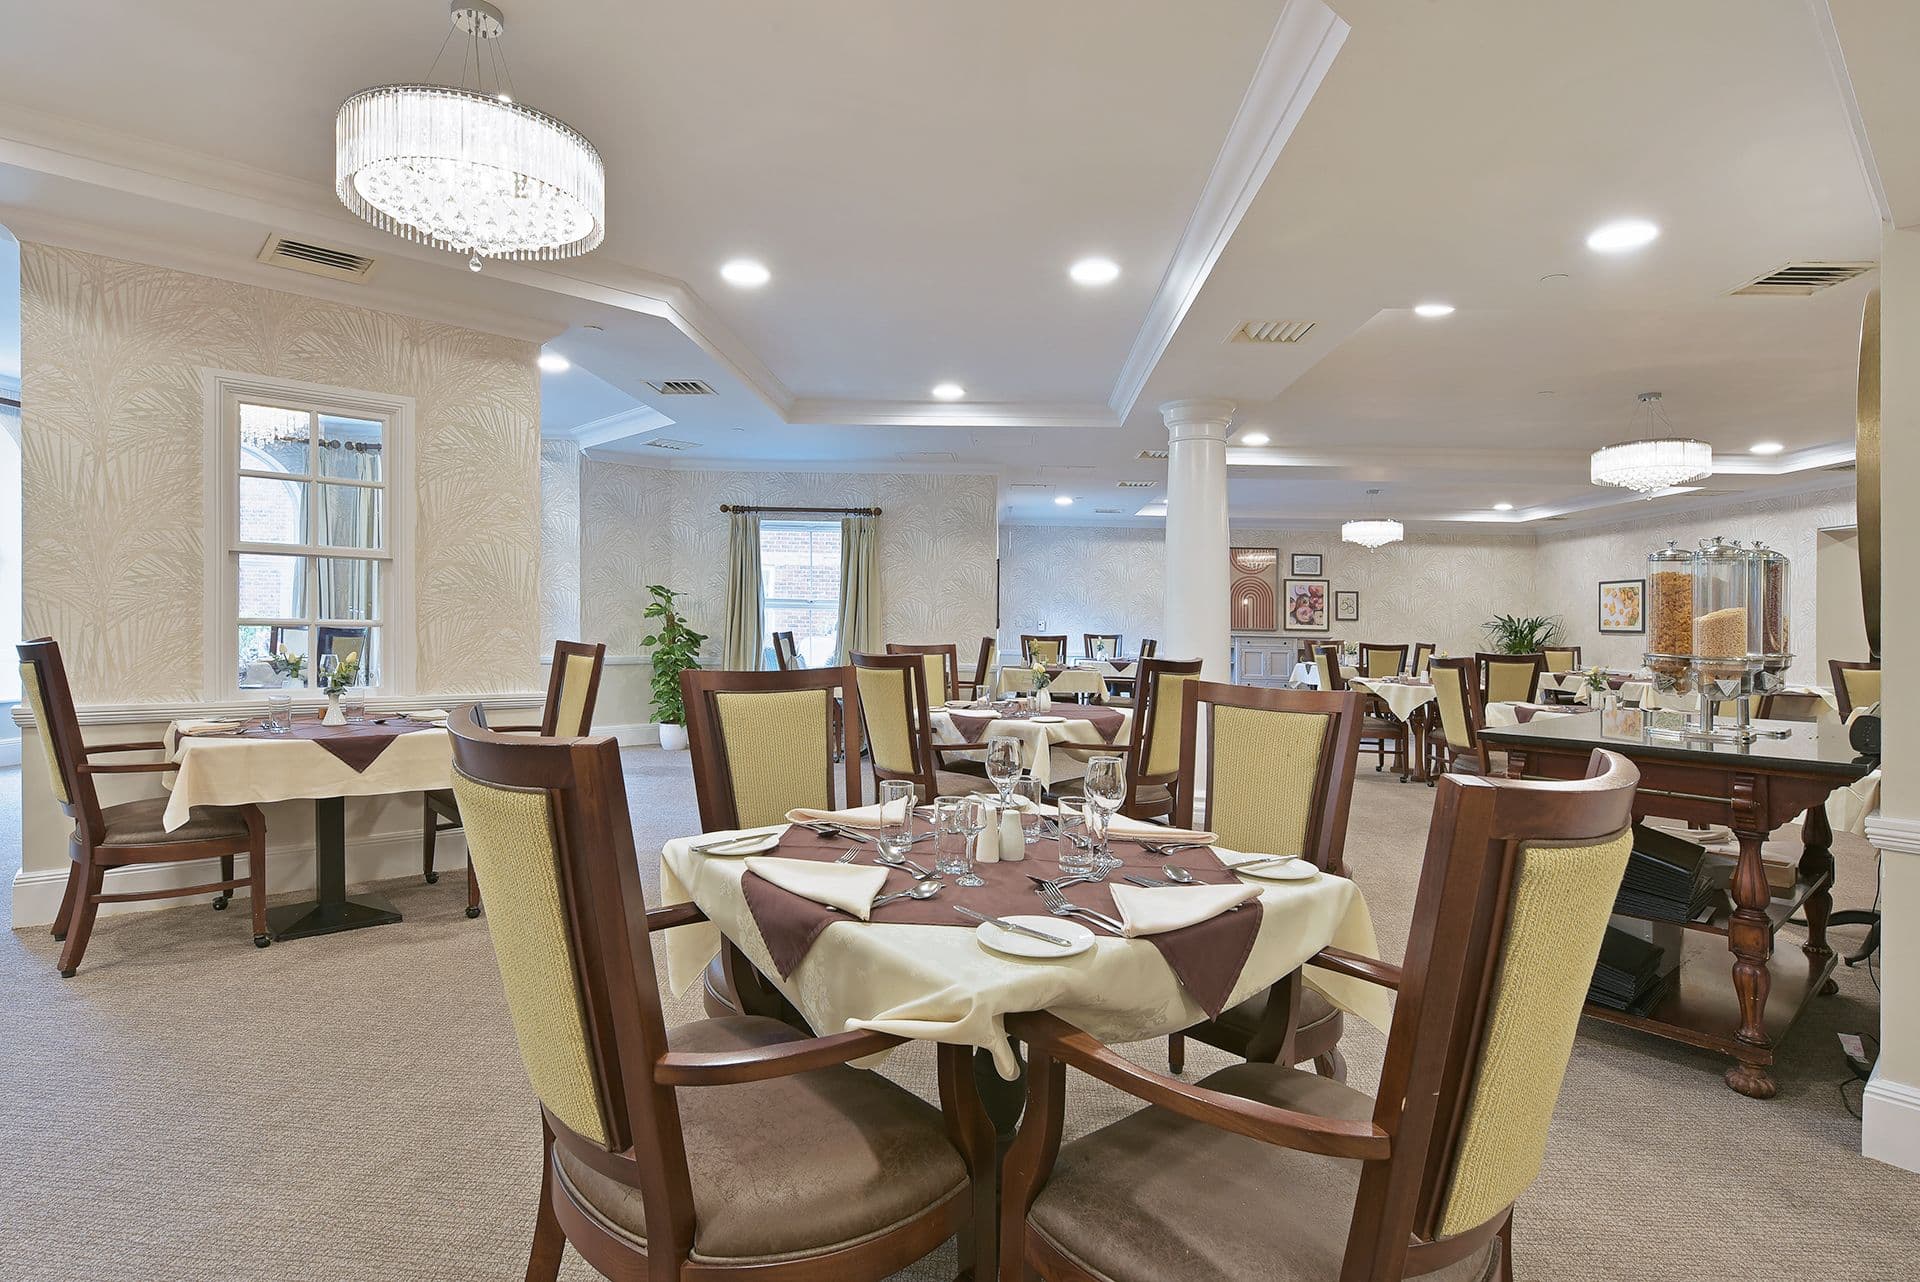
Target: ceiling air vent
(1804,278)
(667,443)
(1139,485)
(1109,511)
(1271,332)
(1152,456)
(315,260)
(681,387)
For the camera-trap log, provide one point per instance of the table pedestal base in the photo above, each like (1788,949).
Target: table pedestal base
(298,921)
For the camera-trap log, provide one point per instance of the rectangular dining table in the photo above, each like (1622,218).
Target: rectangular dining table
(326,764)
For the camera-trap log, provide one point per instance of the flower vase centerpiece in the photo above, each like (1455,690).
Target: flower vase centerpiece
(1594,686)
(342,676)
(290,668)
(1042,697)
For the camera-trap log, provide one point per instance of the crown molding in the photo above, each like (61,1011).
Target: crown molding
(857,413)
(1828,35)
(1302,47)
(614,427)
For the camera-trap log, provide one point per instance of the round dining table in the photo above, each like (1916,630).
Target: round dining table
(1077,725)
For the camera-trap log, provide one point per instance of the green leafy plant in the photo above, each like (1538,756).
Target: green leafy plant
(675,649)
(284,664)
(344,674)
(1518,634)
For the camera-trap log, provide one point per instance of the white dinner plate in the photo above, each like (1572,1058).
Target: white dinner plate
(1291,870)
(1015,944)
(1046,721)
(745,846)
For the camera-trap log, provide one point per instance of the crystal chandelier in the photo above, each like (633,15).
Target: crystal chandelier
(1655,463)
(1372,532)
(465,167)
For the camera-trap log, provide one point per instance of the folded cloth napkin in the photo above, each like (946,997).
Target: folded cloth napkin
(1234,858)
(858,817)
(1127,826)
(1155,910)
(210,725)
(849,887)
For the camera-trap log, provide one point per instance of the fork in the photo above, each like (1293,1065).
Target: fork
(847,856)
(1151,883)
(1058,905)
(1058,882)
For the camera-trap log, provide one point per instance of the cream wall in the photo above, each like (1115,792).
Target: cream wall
(559,543)
(1079,579)
(1571,565)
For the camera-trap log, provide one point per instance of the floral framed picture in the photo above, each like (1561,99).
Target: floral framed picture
(1305,602)
(1306,565)
(1623,605)
(1346,607)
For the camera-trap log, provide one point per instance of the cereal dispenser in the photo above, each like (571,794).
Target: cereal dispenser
(1670,619)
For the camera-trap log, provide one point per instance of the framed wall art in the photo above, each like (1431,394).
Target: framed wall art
(1306,565)
(1306,605)
(1253,582)
(1623,605)
(1346,607)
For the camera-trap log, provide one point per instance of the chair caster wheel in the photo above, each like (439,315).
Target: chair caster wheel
(220,903)
(473,912)
(261,941)
(61,938)
(432,877)
(66,974)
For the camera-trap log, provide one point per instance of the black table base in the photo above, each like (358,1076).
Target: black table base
(330,911)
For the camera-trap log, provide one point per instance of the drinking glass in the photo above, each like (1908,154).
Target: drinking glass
(949,837)
(897,797)
(1028,789)
(1003,765)
(279,714)
(973,815)
(1077,857)
(1106,788)
(329,664)
(353,704)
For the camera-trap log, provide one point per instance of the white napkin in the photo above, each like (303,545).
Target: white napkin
(418,714)
(846,886)
(209,725)
(858,817)
(1153,910)
(1127,826)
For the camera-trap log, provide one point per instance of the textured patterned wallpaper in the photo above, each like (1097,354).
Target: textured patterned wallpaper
(641,525)
(559,543)
(111,358)
(1433,587)
(1572,565)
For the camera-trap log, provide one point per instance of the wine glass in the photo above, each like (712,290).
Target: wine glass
(329,664)
(1106,788)
(1003,765)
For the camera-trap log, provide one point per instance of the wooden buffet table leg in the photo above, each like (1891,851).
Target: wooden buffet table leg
(1816,860)
(1750,936)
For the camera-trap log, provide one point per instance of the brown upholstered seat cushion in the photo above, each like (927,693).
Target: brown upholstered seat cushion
(1381,727)
(1154,1197)
(1244,1019)
(138,823)
(792,1166)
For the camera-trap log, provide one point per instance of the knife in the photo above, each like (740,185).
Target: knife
(712,846)
(1013,926)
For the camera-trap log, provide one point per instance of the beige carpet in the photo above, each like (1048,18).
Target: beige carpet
(352,1107)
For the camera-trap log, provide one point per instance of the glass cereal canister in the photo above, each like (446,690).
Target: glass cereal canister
(1772,611)
(1670,616)
(1726,633)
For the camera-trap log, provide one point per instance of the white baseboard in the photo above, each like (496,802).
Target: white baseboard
(37,893)
(1890,1123)
(633,736)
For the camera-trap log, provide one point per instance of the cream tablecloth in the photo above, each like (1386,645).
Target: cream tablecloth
(937,983)
(1402,699)
(231,772)
(1307,675)
(1036,737)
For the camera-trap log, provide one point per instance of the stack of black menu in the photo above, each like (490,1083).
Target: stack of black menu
(1669,878)
(1632,974)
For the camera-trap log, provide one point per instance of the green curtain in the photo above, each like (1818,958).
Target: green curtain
(741,642)
(856,585)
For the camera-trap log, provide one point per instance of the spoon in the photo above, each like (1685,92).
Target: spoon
(1180,876)
(906,865)
(922,890)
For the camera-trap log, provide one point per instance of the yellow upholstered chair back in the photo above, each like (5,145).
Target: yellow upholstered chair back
(1561,898)
(884,697)
(777,754)
(1162,756)
(1384,661)
(37,700)
(1266,764)
(1562,658)
(1326,665)
(1043,651)
(1863,686)
(511,838)
(573,714)
(1450,695)
(938,689)
(1510,680)
(1422,657)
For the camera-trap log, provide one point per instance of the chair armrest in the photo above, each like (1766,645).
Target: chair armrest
(1341,962)
(155,746)
(726,1068)
(140,767)
(676,915)
(1284,1127)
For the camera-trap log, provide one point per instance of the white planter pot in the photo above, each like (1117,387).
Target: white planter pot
(1043,702)
(673,737)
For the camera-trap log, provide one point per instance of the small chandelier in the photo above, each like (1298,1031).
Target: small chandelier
(1655,463)
(465,167)
(1372,532)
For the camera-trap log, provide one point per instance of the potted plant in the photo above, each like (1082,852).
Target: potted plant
(675,649)
(1518,634)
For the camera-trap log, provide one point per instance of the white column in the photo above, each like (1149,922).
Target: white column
(1196,620)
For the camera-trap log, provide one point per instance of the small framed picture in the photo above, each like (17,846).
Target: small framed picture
(1623,605)
(1306,565)
(1346,607)
(1306,605)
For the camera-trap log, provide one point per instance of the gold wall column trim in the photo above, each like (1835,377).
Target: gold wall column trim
(1867,468)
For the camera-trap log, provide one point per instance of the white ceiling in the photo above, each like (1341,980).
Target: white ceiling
(918,177)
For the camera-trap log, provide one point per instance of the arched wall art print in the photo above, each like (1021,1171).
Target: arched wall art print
(1254,589)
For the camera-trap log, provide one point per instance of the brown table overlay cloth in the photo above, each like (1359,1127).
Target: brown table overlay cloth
(1105,720)
(356,745)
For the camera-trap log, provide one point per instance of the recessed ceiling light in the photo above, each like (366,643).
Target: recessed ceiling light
(595,329)
(747,273)
(1503,507)
(1254,438)
(1619,237)
(554,363)
(1433,311)
(1766,447)
(948,391)
(1094,271)
(1063,500)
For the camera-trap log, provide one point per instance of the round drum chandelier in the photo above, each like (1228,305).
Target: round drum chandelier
(465,167)
(1372,532)
(1659,461)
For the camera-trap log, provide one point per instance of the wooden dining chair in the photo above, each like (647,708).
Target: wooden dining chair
(1041,649)
(1453,733)
(1377,727)
(893,707)
(133,832)
(943,669)
(1090,639)
(1419,1180)
(786,654)
(1422,656)
(572,689)
(1510,678)
(1277,779)
(1149,647)
(1561,658)
(1855,685)
(723,1146)
(1382,660)
(981,684)
(1153,741)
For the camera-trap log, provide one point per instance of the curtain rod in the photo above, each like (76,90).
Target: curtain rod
(846,511)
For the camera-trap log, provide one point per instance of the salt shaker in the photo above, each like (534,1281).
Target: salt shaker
(1013,837)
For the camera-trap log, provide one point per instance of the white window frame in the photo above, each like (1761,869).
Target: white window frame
(803,603)
(222,393)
